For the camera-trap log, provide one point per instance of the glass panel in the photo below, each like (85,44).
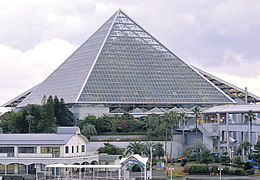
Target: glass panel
(134,67)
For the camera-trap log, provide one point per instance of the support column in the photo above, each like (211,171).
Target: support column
(218,119)
(227,123)
(16,168)
(5,169)
(145,171)
(27,169)
(219,145)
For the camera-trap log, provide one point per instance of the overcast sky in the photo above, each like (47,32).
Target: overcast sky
(221,37)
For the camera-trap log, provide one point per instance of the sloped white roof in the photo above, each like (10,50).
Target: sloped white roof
(233,109)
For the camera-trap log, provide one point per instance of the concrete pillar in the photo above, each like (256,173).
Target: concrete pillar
(219,145)
(5,169)
(202,118)
(38,149)
(227,123)
(15,151)
(218,118)
(16,168)
(27,169)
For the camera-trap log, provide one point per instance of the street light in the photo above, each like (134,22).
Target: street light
(151,164)
(171,171)
(220,169)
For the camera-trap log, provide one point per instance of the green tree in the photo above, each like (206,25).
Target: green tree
(256,154)
(206,157)
(196,148)
(225,159)
(111,149)
(249,117)
(29,119)
(48,122)
(158,150)
(147,148)
(89,130)
(166,121)
(183,119)
(135,148)
(197,112)
(114,124)
(7,121)
(237,162)
(245,145)
(102,124)
(170,117)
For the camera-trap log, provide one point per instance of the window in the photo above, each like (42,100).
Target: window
(27,150)
(77,149)
(83,148)
(72,149)
(46,150)
(6,150)
(66,149)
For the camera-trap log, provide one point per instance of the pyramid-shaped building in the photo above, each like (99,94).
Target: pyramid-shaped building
(122,65)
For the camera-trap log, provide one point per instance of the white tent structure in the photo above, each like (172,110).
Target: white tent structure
(66,171)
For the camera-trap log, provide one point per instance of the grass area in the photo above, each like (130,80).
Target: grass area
(176,170)
(177,175)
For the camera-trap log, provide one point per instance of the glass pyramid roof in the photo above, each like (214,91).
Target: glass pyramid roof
(122,63)
(134,67)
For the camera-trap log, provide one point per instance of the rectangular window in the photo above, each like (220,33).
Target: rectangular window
(6,149)
(66,149)
(46,150)
(82,148)
(72,149)
(27,150)
(77,149)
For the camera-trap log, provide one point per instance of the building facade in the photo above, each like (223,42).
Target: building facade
(28,153)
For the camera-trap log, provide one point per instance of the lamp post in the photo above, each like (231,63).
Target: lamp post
(171,171)
(151,163)
(220,169)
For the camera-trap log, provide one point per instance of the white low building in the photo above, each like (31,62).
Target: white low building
(28,153)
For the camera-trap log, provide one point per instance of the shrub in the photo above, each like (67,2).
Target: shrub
(226,170)
(187,168)
(184,162)
(239,172)
(247,166)
(215,169)
(192,158)
(199,169)
(249,172)
(216,159)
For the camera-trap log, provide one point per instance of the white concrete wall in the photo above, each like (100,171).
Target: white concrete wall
(74,141)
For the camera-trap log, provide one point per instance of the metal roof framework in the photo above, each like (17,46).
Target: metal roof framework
(230,89)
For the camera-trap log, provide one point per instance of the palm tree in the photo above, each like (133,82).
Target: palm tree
(147,148)
(196,111)
(165,118)
(172,117)
(244,146)
(135,148)
(184,119)
(250,116)
(89,130)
